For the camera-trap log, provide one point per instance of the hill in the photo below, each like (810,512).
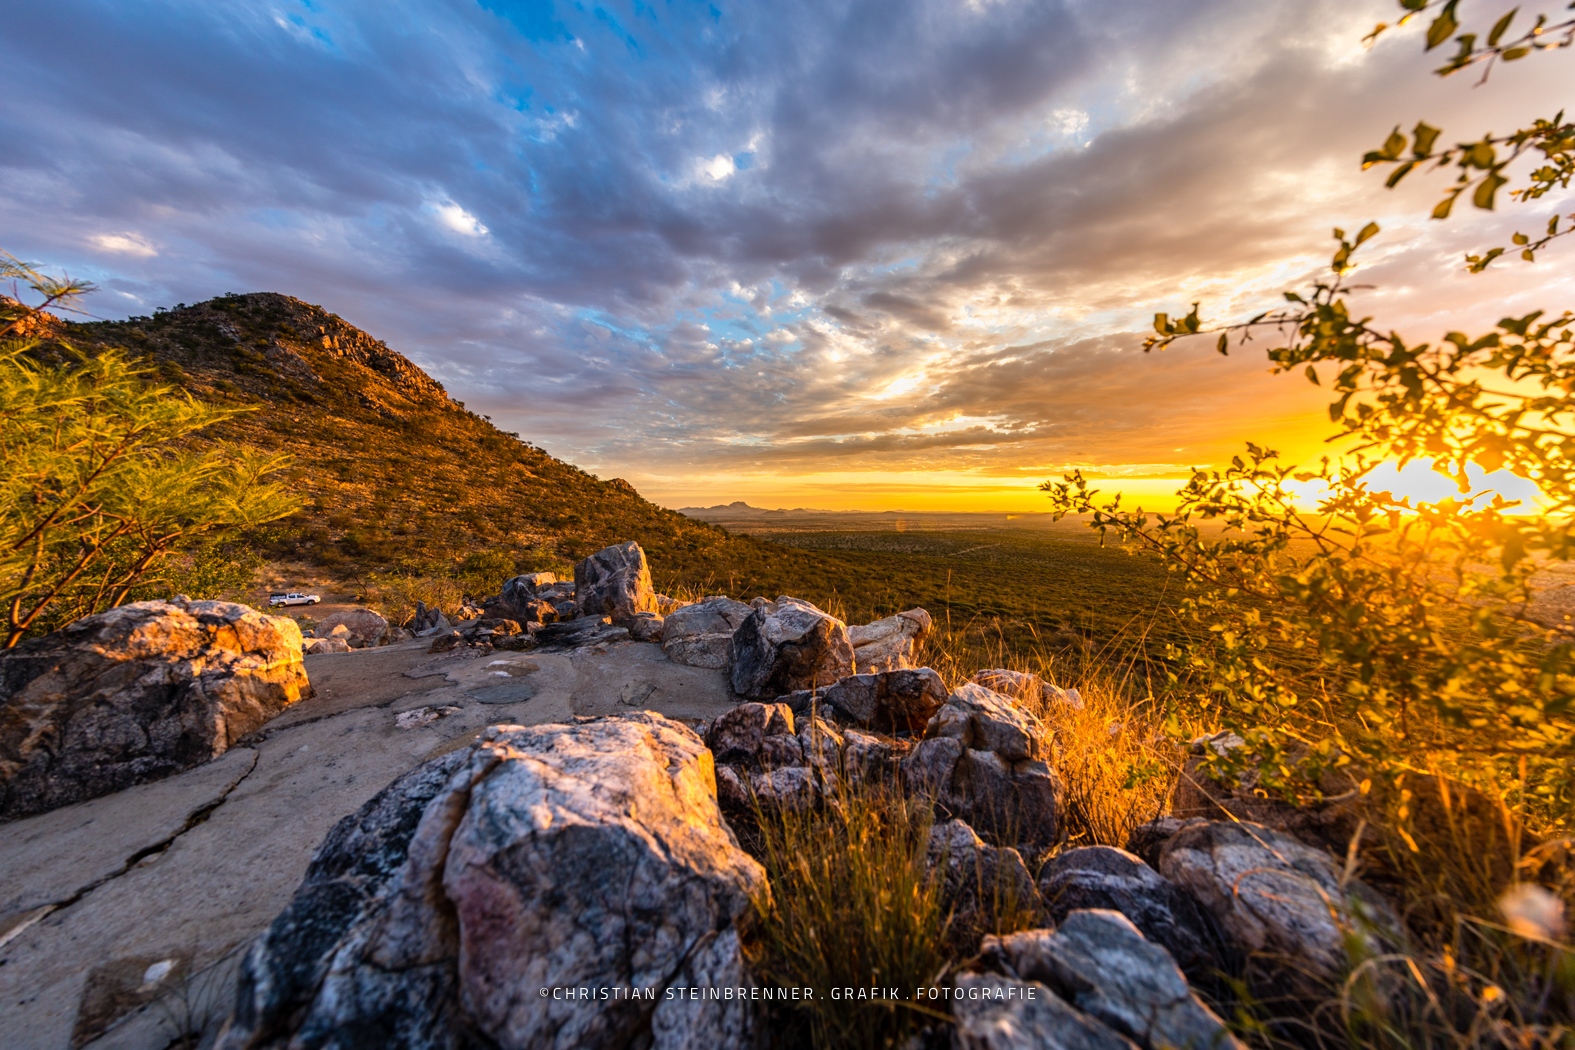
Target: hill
(396,474)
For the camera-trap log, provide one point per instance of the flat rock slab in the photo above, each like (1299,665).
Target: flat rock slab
(220,880)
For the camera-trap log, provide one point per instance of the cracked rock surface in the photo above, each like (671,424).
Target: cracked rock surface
(216,882)
(559,856)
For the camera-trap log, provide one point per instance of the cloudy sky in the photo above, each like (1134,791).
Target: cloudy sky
(852,253)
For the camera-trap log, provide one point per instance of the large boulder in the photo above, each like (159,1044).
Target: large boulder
(137,693)
(363,627)
(788,645)
(1100,963)
(1112,879)
(1283,904)
(701,635)
(890,644)
(889,701)
(553,886)
(615,582)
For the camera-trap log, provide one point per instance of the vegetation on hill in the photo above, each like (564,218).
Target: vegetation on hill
(97,492)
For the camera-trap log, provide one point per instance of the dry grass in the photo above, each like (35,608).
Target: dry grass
(853,906)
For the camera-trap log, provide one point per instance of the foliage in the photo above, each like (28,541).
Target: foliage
(102,482)
(485,571)
(1372,630)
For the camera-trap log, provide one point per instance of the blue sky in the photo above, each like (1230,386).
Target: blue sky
(837,254)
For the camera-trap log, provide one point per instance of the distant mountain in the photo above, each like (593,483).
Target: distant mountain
(740,509)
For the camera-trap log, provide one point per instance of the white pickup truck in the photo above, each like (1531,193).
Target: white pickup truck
(294,598)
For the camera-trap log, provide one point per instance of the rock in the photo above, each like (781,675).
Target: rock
(427,618)
(821,745)
(590,855)
(1101,964)
(1277,901)
(788,645)
(534,610)
(1027,688)
(890,644)
(518,591)
(585,630)
(566,608)
(1112,879)
(615,582)
(1149,838)
(646,627)
(891,701)
(365,627)
(737,736)
(984,720)
(326,645)
(1009,803)
(137,693)
(423,716)
(701,635)
(339,633)
(998,1013)
(666,606)
(870,759)
(979,881)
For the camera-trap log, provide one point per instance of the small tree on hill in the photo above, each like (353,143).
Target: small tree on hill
(101,483)
(1396,636)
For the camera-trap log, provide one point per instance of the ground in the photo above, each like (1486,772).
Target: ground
(177,877)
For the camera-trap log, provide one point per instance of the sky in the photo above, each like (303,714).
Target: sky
(853,255)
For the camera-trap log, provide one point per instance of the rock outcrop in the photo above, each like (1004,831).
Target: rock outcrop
(890,644)
(1098,962)
(135,694)
(701,635)
(889,701)
(1107,878)
(498,889)
(615,582)
(788,645)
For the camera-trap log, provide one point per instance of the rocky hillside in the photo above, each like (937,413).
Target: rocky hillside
(394,471)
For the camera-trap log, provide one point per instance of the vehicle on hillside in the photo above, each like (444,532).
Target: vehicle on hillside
(294,598)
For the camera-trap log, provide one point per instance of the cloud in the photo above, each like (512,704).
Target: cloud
(957,220)
(455,218)
(123,243)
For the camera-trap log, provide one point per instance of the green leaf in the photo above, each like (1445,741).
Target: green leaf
(1162,324)
(1500,26)
(1367,232)
(1399,173)
(1426,136)
(1483,197)
(1312,375)
(1443,26)
(1515,53)
(1520,238)
(1441,209)
(1224,345)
